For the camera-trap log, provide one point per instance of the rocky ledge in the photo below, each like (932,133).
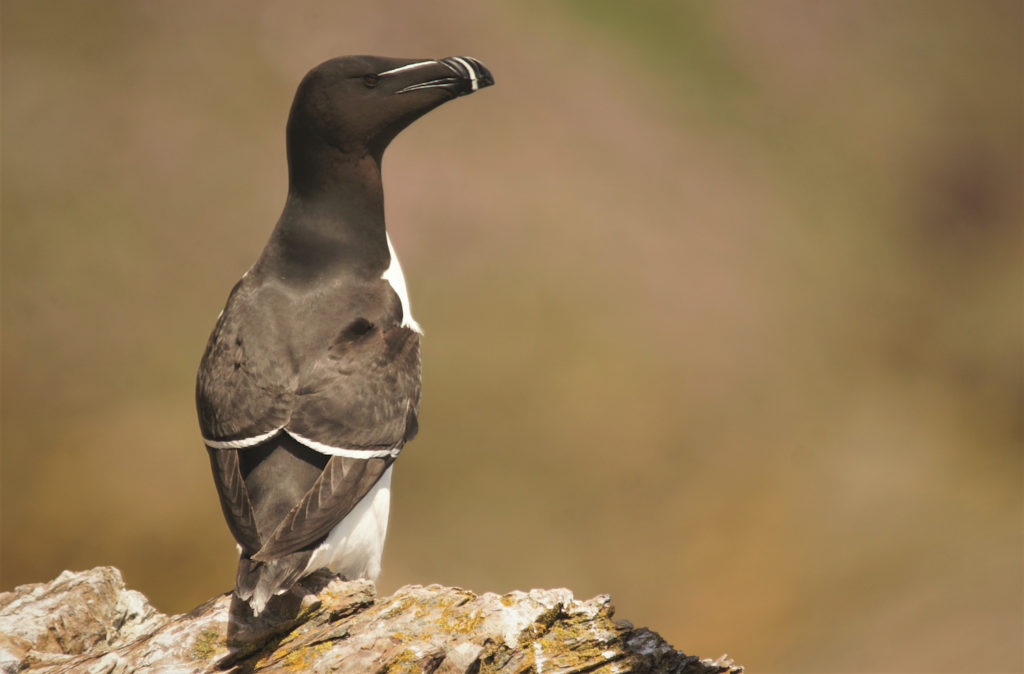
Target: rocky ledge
(87,621)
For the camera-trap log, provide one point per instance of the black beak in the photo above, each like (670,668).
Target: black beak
(463,75)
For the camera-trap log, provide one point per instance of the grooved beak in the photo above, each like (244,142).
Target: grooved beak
(472,71)
(464,76)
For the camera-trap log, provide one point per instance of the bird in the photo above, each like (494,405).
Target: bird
(309,386)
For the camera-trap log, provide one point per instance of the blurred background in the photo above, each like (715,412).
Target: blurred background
(722,306)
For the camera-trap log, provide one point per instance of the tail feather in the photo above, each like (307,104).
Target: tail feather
(256,582)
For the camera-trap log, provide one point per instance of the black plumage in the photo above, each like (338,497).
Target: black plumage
(310,383)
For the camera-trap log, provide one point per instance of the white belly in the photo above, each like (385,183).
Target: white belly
(354,546)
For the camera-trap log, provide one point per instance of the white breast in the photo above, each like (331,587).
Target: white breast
(393,275)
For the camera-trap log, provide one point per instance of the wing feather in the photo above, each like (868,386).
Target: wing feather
(360,395)
(341,485)
(332,373)
(234,498)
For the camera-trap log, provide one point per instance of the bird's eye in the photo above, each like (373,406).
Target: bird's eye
(371,81)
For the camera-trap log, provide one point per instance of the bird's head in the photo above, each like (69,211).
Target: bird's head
(358,104)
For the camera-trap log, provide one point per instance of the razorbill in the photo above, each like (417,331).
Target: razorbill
(310,383)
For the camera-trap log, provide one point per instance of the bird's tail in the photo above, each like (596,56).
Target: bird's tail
(256,582)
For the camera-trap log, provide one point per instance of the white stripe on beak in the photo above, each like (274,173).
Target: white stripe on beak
(472,72)
(406,67)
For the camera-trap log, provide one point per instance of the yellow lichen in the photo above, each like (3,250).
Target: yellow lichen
(302,658)
(405,662)
(397,605)
(206,644)
(556,641)
(454,619)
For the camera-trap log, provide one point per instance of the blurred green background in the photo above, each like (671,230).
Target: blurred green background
(722,306)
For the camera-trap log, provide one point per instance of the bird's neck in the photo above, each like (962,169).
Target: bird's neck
(332,223)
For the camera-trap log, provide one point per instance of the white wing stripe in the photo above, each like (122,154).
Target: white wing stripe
(339,451)
(243,443)
(312,444)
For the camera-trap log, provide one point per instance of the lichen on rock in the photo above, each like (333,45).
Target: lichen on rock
(89,622)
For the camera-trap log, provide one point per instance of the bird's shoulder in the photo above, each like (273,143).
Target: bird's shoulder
(304,319)
(283,354)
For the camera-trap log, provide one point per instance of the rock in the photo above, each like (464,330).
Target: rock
(89,622)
